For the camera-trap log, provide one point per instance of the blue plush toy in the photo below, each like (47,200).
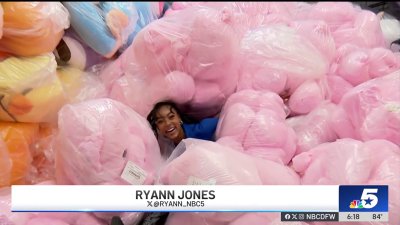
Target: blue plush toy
(108,27)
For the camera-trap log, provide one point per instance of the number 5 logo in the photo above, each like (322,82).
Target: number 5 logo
(369,200)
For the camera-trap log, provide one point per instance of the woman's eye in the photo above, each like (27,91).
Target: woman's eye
(171,117)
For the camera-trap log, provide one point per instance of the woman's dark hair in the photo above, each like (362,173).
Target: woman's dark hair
(153,114)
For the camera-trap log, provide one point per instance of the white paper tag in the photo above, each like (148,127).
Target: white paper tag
(133,174)
(197,181)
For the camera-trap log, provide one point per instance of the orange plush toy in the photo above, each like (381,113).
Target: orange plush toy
(18,139)
(32,28)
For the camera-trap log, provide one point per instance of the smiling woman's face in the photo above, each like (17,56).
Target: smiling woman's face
(168,124)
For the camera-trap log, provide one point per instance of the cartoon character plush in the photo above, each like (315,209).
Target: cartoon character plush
(29,89)
(32,28)
(32,90)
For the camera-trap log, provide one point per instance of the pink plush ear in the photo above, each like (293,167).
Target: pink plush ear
(301,162)
(306,97)
(180,86)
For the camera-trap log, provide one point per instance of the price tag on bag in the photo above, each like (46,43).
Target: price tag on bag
(133,174)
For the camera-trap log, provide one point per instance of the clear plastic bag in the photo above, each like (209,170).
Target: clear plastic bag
(179,44)
(30,90)
(371,110)
(199,162)
(279,51)
(248,117)
(104,26)
(96,140)
(352,162)
(32,28)
(314,128)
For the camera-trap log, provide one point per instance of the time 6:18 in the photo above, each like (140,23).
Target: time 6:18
(353,217)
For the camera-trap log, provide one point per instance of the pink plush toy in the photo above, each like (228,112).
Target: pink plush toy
(313,129)
(335,14)
(365,31)
(277,58)
(352,162)
(255,120)
(100,141)
(184,57)
(371,110)
(357,65)
(205,162)
(108,133)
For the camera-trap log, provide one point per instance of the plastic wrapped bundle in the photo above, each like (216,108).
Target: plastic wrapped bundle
(170,58)
(246,121)
(32,28)
(357,65)
(42,166)
(147,13)
(103,141)
(16,154)
(351,162)
(104,26)
(371,110)
(313,129)
(318,33)
(196,162)
(247,15)
(112,136)
(279,59)
(335,14)
(365,31)
(308,96)
(29,89)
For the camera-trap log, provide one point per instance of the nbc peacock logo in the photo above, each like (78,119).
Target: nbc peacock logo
(356,204)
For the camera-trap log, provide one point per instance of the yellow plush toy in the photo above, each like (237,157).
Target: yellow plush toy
(30,90)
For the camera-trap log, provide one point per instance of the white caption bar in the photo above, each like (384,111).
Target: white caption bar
(255,198)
